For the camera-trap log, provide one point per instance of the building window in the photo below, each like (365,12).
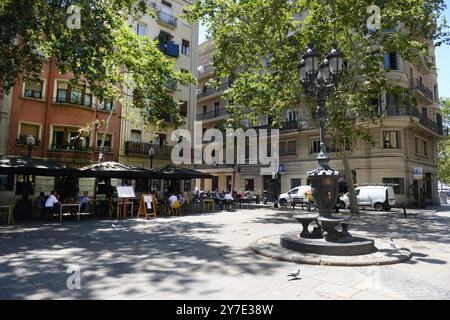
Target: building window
(315,146)
(136,136)
(391,61)
(26,130)
(183,108)
(141,185)
(187,185)
(249,185)
(76,95)
(69,139)
(295,182)
(398,184)
(103,186)
(6,182)
(391,139)
(62,92)
(292,116)
(105,105)
(421,146)
(79,95)
(21,183)
(216,109)
(34,89)
(108,141)
(156,185)
(141,29)
(185,47)
(205,109)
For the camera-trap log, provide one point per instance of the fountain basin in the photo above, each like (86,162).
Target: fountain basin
(346,246)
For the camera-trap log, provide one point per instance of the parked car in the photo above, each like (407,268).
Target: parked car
(378,197)
(294,195)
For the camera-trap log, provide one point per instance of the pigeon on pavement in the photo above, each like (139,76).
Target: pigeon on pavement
(294,275)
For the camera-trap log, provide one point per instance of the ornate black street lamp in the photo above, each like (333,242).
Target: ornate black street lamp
(319,80)
(151,154)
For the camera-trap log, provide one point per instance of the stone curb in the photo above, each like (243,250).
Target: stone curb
(273,250)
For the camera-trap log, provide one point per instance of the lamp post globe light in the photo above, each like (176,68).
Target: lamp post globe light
(31,141)
(319,79)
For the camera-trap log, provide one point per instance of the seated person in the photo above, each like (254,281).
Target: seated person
(228,199)
(51,205)
(84,202)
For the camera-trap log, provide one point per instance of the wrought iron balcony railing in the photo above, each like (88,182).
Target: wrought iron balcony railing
(212,114)
(67,147)
(425,91)
(170,48)
(413,112)
(167,19)
(141,148)
(207,91)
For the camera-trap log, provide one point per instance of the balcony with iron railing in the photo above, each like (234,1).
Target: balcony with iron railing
(208,91)
(293,125)
(420,86)
(73,100)
(170,48)
(212,114)
(69,147)
(413,112)
(167,19)
(141,148)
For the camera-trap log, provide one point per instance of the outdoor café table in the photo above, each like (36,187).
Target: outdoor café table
(9,213)
(67,205)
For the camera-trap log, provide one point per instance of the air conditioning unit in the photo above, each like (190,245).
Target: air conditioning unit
(154,5)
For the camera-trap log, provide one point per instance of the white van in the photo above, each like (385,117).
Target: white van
(378,197)
(294,194)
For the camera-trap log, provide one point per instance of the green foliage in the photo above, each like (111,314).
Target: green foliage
(260,43)
(104,53)
(443,148)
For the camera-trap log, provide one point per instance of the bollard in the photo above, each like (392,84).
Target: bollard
(404,211)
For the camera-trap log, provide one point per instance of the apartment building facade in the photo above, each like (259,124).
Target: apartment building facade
(406,139)
(52,111)
(178,40)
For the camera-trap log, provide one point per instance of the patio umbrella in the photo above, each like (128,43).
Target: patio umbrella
(173,172)
(34,166)
(111,169)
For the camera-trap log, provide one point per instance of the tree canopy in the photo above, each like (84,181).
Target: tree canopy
(104,53)
(259,43)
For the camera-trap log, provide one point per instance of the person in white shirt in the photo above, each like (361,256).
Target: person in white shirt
(50,203)
(172,199)
(228,196)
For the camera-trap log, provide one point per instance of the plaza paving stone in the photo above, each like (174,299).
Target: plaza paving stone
(207,256)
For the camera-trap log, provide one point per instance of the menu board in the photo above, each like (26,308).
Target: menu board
(125,192)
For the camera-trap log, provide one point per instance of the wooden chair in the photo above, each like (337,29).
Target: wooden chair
(176,208)
(9,213)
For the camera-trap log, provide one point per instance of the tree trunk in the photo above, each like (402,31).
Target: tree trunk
(351,188)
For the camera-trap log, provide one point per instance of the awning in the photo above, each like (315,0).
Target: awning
(34,166)
(173,172)
(111,169)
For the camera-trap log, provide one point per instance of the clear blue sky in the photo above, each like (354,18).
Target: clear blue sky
(442,60)
(443,64)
